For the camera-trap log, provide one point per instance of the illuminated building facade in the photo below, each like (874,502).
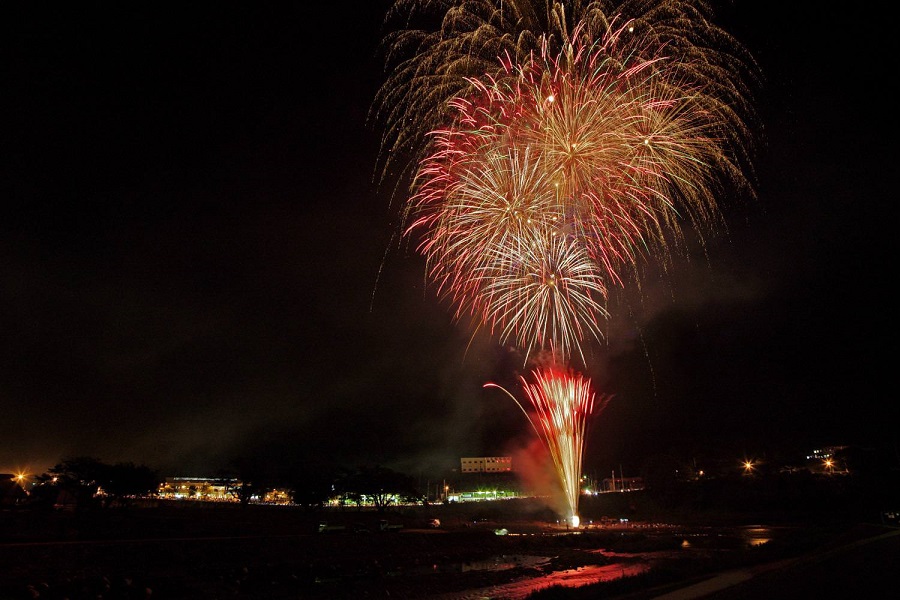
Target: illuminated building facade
(486,464)
(196,488)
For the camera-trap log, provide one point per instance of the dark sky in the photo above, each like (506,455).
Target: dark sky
(196,264)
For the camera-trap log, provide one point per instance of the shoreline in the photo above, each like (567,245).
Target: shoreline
(213,552)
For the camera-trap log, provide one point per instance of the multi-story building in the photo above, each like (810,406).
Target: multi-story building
(196,488)
(486,464)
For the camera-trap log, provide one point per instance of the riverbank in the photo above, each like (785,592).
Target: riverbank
(195,551)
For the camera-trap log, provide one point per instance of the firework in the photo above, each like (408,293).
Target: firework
(434,47)
(555,146)
(561,403)
(556,177)
(496,245)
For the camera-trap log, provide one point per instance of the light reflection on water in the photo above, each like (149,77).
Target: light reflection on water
(504,562)
(631,564)
(756,536)
(751,535)
(501,562)
(517,590)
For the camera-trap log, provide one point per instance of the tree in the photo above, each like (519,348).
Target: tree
(381,485)
(124,481)
(85,477)
(78,477)
(245,478)
(312,487)
(11,492)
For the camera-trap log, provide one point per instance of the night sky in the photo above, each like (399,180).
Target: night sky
(197,263)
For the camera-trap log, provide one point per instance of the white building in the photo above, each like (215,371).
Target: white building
(486,464)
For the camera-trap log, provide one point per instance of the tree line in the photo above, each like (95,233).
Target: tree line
(86,481)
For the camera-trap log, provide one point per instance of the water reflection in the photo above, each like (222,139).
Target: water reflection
(728,539)
(625,564)
(505,562)
(517,590)
(501,562)
(755,535)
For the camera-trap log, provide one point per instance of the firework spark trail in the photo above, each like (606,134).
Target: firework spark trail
(562,403)
(496,247)
(555,146)
(608,154)
(434,46)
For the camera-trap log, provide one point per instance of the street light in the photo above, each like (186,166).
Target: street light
(20,479)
